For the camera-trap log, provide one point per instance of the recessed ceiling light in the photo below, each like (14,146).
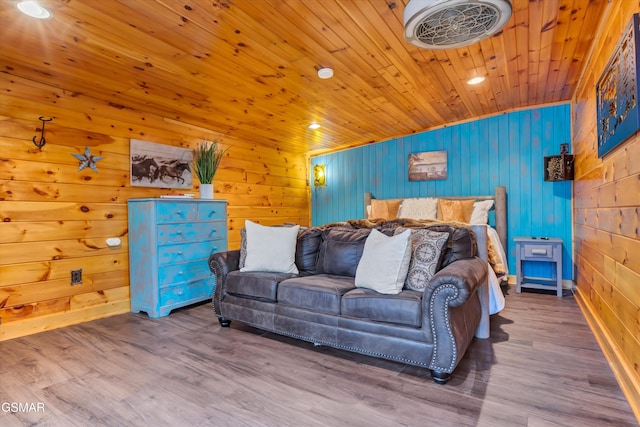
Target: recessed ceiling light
(314,126)
(33,9)
(325,73)
(475,80)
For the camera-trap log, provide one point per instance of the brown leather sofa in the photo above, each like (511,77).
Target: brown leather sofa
(322,305)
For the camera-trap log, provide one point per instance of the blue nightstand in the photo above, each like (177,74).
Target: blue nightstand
(531,249)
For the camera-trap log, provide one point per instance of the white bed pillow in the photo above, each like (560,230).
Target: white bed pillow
(480,213)
(271,249)
(419,208)
(384,263)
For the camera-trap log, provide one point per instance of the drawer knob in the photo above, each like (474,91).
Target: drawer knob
(179,252)
(539,251)
(180,273)
(180,292)
(179,212)
(179,232)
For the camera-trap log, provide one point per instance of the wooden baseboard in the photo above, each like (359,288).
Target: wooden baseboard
(624,373)
(10,330)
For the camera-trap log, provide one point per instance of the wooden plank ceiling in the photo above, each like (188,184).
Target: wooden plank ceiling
(247,68)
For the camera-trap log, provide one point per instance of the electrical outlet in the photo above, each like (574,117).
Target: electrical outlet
(76,277)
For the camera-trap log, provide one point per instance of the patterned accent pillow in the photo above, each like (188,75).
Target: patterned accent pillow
(427,247)
(243,247)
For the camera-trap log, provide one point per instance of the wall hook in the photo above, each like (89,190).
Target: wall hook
(42,141)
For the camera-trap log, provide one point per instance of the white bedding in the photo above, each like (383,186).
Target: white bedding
(496,298)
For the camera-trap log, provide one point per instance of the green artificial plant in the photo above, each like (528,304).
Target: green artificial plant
(206,159)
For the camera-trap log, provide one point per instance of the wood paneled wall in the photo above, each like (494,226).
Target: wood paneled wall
(56,219)
(606,219)
(507,150)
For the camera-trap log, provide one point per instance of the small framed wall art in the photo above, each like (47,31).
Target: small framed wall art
(427,166)
(617,92)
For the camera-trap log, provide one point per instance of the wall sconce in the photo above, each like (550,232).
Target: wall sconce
(320,175)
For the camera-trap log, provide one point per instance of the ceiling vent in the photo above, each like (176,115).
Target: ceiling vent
(445,24)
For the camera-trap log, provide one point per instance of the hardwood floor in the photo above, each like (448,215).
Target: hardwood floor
(541,367)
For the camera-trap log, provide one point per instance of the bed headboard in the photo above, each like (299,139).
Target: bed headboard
(499,206)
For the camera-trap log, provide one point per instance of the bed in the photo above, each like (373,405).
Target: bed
(421,208)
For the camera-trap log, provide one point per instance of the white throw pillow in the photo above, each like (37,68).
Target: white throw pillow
(480,213)
(271,249)
(384,263)
(419,208)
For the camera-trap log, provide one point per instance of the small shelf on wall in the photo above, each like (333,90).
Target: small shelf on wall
(558,167)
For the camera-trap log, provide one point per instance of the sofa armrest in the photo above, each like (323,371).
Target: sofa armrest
(220,264)
(451,310)
(463,277)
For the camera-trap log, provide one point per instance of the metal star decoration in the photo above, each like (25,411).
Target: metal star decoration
(87,160)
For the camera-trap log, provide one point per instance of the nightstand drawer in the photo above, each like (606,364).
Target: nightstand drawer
(176,212)
(542,251)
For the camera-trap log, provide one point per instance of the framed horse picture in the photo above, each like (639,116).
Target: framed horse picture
(159,165)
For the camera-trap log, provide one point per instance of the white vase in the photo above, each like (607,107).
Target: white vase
(206,191)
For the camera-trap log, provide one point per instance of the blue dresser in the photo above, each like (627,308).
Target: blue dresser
(170,241)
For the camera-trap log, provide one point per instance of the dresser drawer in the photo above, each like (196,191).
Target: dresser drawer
(539,251)
(170,234)
(186,292)
(176,212)
(171,254)
(184,272)
(212,212)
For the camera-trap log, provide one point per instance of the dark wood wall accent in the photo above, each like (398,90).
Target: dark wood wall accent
(606,218)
